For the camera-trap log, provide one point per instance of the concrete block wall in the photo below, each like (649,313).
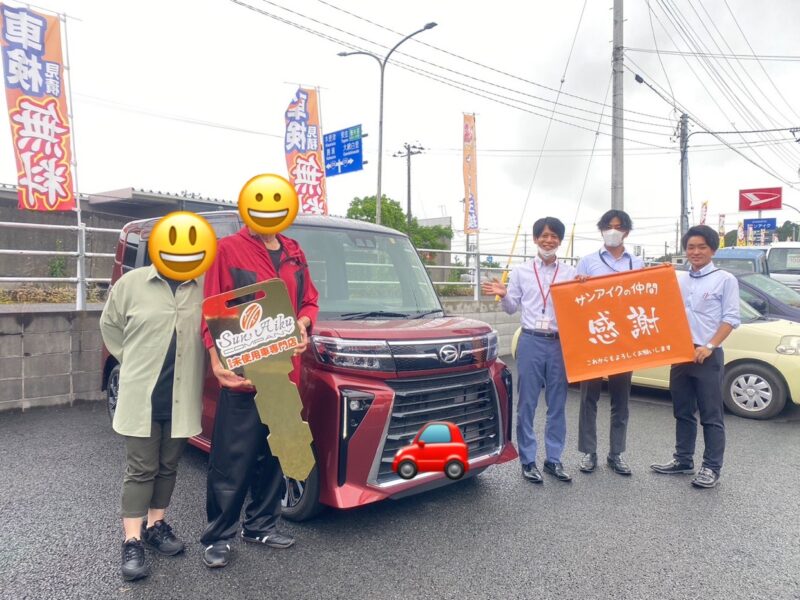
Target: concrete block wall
(489,312)
(50,357)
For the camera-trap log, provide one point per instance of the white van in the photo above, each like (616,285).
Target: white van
(783,260)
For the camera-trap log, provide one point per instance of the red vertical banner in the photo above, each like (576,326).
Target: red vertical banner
(303,145)
(33,74)
(470,176)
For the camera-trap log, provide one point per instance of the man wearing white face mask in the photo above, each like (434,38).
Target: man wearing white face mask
(539,359)
(614,225)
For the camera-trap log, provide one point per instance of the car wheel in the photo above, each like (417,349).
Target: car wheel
(753,391)
(454,469)
(112,392)
(407,469)
(300,500)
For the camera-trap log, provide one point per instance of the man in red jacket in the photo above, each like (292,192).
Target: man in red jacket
(240,459)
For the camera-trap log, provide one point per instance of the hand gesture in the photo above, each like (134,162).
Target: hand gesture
(493,287)
(231,380)
(303,345)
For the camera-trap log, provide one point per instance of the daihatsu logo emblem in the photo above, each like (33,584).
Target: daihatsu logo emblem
(448,354)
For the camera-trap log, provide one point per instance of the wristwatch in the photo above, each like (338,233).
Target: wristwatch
(710,346)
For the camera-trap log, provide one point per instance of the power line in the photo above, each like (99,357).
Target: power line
(696,54)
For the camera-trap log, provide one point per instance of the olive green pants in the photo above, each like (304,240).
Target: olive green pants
(152,470)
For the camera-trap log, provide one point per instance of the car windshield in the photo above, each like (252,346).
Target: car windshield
(773,288)
(784,260)
(366,274)
(742,265)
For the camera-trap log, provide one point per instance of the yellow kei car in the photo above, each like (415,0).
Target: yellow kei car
(762,366)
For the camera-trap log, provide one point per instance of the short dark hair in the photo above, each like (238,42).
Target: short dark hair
(704,231)
(552,224)
(624,220)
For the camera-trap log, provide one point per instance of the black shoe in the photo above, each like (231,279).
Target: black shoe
(532,473)
(673,467)
(160,538)
(706,478)
(556,469)
(133,566)
(217,554)
(273,539)
(588,463)
(618,465)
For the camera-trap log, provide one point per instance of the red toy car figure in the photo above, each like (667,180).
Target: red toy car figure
(439,446)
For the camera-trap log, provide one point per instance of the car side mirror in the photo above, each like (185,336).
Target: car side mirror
(420,443)
(760,305)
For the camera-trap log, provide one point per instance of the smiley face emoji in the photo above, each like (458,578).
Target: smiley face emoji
(182,245)
(268,203)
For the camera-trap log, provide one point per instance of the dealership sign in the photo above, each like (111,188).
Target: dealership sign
(760,199)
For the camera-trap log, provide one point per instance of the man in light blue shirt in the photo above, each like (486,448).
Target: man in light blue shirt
(539,359)
(711,300)
(614,226)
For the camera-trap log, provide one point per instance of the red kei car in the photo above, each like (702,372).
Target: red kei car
(383,360)
(437,447)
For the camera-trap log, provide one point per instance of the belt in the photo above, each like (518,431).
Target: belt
(553,335)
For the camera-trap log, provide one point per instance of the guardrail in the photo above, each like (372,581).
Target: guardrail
(80,254)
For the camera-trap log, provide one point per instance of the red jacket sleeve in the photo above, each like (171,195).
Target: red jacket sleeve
(216,282)
(309,307)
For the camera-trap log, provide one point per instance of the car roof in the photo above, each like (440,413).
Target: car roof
(739,252)
(302,220)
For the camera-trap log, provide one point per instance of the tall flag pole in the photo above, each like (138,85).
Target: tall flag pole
(721,229)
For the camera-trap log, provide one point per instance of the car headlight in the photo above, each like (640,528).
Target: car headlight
(790,344)
(353,354)
(492,346)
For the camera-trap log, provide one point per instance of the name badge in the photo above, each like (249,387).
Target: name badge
(542,324)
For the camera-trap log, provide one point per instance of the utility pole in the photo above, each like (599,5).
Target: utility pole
(617,147)
(410,150)
(684,173)
(677,238)
(666,249)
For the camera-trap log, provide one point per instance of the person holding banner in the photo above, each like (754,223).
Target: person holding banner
(241,460)
(539,359)
(614,226)
(711,300)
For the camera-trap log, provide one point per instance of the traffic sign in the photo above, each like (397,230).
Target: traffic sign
(761,224)
(343,152)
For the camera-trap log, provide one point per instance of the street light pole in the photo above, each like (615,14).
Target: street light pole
(382,62)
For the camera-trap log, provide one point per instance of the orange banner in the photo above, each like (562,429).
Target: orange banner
(622,322)
(303,145)
(37,107)
(470,168)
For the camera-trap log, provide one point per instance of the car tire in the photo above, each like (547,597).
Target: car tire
(112,392)
(300,500)
(454,469)
(407,469)
(753,391)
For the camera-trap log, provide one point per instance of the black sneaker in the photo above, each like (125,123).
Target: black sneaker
(133,566)
(217,554)
(672,467)
(160,538)
(273,539)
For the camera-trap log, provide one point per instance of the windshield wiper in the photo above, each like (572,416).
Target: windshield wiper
(427,313)
(351,316)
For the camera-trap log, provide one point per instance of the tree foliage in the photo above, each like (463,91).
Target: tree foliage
(392,215)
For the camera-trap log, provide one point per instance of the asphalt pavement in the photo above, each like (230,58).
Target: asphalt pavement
(495,536)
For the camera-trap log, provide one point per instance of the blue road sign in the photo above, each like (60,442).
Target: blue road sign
(759,224)
(343,153)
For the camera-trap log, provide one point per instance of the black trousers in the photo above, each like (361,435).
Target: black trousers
(241,462)
(697,387)
(619,388)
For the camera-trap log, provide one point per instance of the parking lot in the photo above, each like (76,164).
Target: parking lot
(496,536)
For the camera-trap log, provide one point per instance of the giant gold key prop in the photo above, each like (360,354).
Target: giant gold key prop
(257,337)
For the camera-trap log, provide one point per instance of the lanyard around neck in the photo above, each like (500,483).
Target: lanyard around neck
(539,283)
(630,262)
(701,276)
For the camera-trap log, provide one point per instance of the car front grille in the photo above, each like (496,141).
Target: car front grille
(467,400)
(425,355)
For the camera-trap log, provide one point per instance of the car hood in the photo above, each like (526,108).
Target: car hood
(772,327)
(402,329)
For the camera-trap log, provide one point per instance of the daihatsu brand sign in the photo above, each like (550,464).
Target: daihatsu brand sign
(760,199)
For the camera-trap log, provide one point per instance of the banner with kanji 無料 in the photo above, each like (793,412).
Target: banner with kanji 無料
(33,74)
(303,145)
(622,322)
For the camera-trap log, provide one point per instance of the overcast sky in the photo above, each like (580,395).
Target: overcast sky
(147,74)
